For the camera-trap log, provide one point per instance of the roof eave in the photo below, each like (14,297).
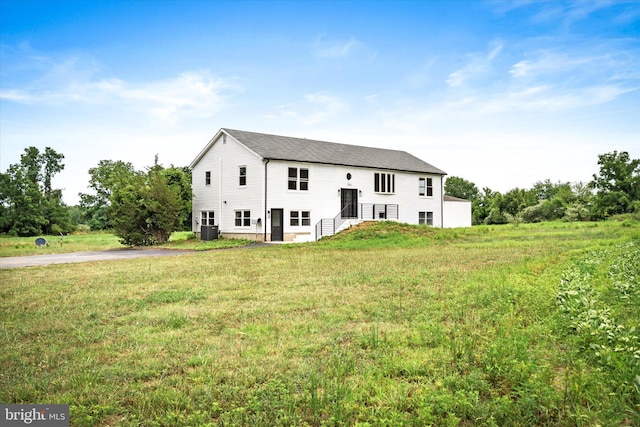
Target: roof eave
(439,172)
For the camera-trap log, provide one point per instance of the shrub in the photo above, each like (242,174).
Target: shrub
(577,212)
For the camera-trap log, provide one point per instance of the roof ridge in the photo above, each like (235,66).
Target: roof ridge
(317,140)
(291,148)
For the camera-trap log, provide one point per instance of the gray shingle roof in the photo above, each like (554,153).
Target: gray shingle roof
(276,147)
(448,198)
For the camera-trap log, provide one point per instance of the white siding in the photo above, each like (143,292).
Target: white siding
(224,196)
(324,201)
(457,214)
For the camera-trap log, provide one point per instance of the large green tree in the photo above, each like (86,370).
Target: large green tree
(28,204)
(148,207)
(180,177)
(105,179)
(617,185)
(460,187)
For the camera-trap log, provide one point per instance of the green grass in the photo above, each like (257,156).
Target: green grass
(187,240)
(99,241)
(21,246)
(383,325)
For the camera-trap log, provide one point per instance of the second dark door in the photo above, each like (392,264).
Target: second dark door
(276,225)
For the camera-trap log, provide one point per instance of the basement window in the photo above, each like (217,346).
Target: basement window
(243,218)
(300,218)
(425,218)
(207,218)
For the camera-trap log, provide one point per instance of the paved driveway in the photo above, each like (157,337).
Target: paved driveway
(37,260)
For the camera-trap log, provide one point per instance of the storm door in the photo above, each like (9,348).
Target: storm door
(349,203)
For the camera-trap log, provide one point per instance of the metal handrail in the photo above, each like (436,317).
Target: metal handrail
(391,211)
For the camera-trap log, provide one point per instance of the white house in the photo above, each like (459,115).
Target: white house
(277,188)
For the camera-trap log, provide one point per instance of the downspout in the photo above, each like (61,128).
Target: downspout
(441,201)
(265,200)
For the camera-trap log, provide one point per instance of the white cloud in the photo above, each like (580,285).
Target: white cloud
(197,94)
(554,63)
(476,66)
(72,80)
(567,13)
(423,75)
(335,49)
(549,98)
(316,108)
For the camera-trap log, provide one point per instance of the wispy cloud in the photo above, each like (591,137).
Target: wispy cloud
(478,64)
(548,62)
(567,13)
(315,108)
(72,80)
(336,49)
(505,105)
(551,98)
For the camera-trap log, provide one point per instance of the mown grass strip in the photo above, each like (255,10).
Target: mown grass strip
(100,241)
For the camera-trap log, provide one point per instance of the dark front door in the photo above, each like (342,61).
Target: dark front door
(276,225)
(349,203)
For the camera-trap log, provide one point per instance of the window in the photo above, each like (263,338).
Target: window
(300,218)
(243,175)
(425,187)
(425,218)
(304,179)
(298,180)
(293,179)
(243,218)
(384,183)
(207,178)
(207,218)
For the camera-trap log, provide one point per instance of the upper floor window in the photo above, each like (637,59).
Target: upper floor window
(298,179)
(243,176)
(207,178)
(384,182)
(425,187)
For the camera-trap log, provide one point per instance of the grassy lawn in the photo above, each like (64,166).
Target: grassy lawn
(385,325)
(100,241)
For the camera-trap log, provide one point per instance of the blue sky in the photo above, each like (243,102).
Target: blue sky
(503,94)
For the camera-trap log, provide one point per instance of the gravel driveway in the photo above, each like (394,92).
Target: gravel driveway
(38,260)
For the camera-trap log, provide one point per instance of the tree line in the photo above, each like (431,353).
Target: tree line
(140,207)
(614,190)
(145,207)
